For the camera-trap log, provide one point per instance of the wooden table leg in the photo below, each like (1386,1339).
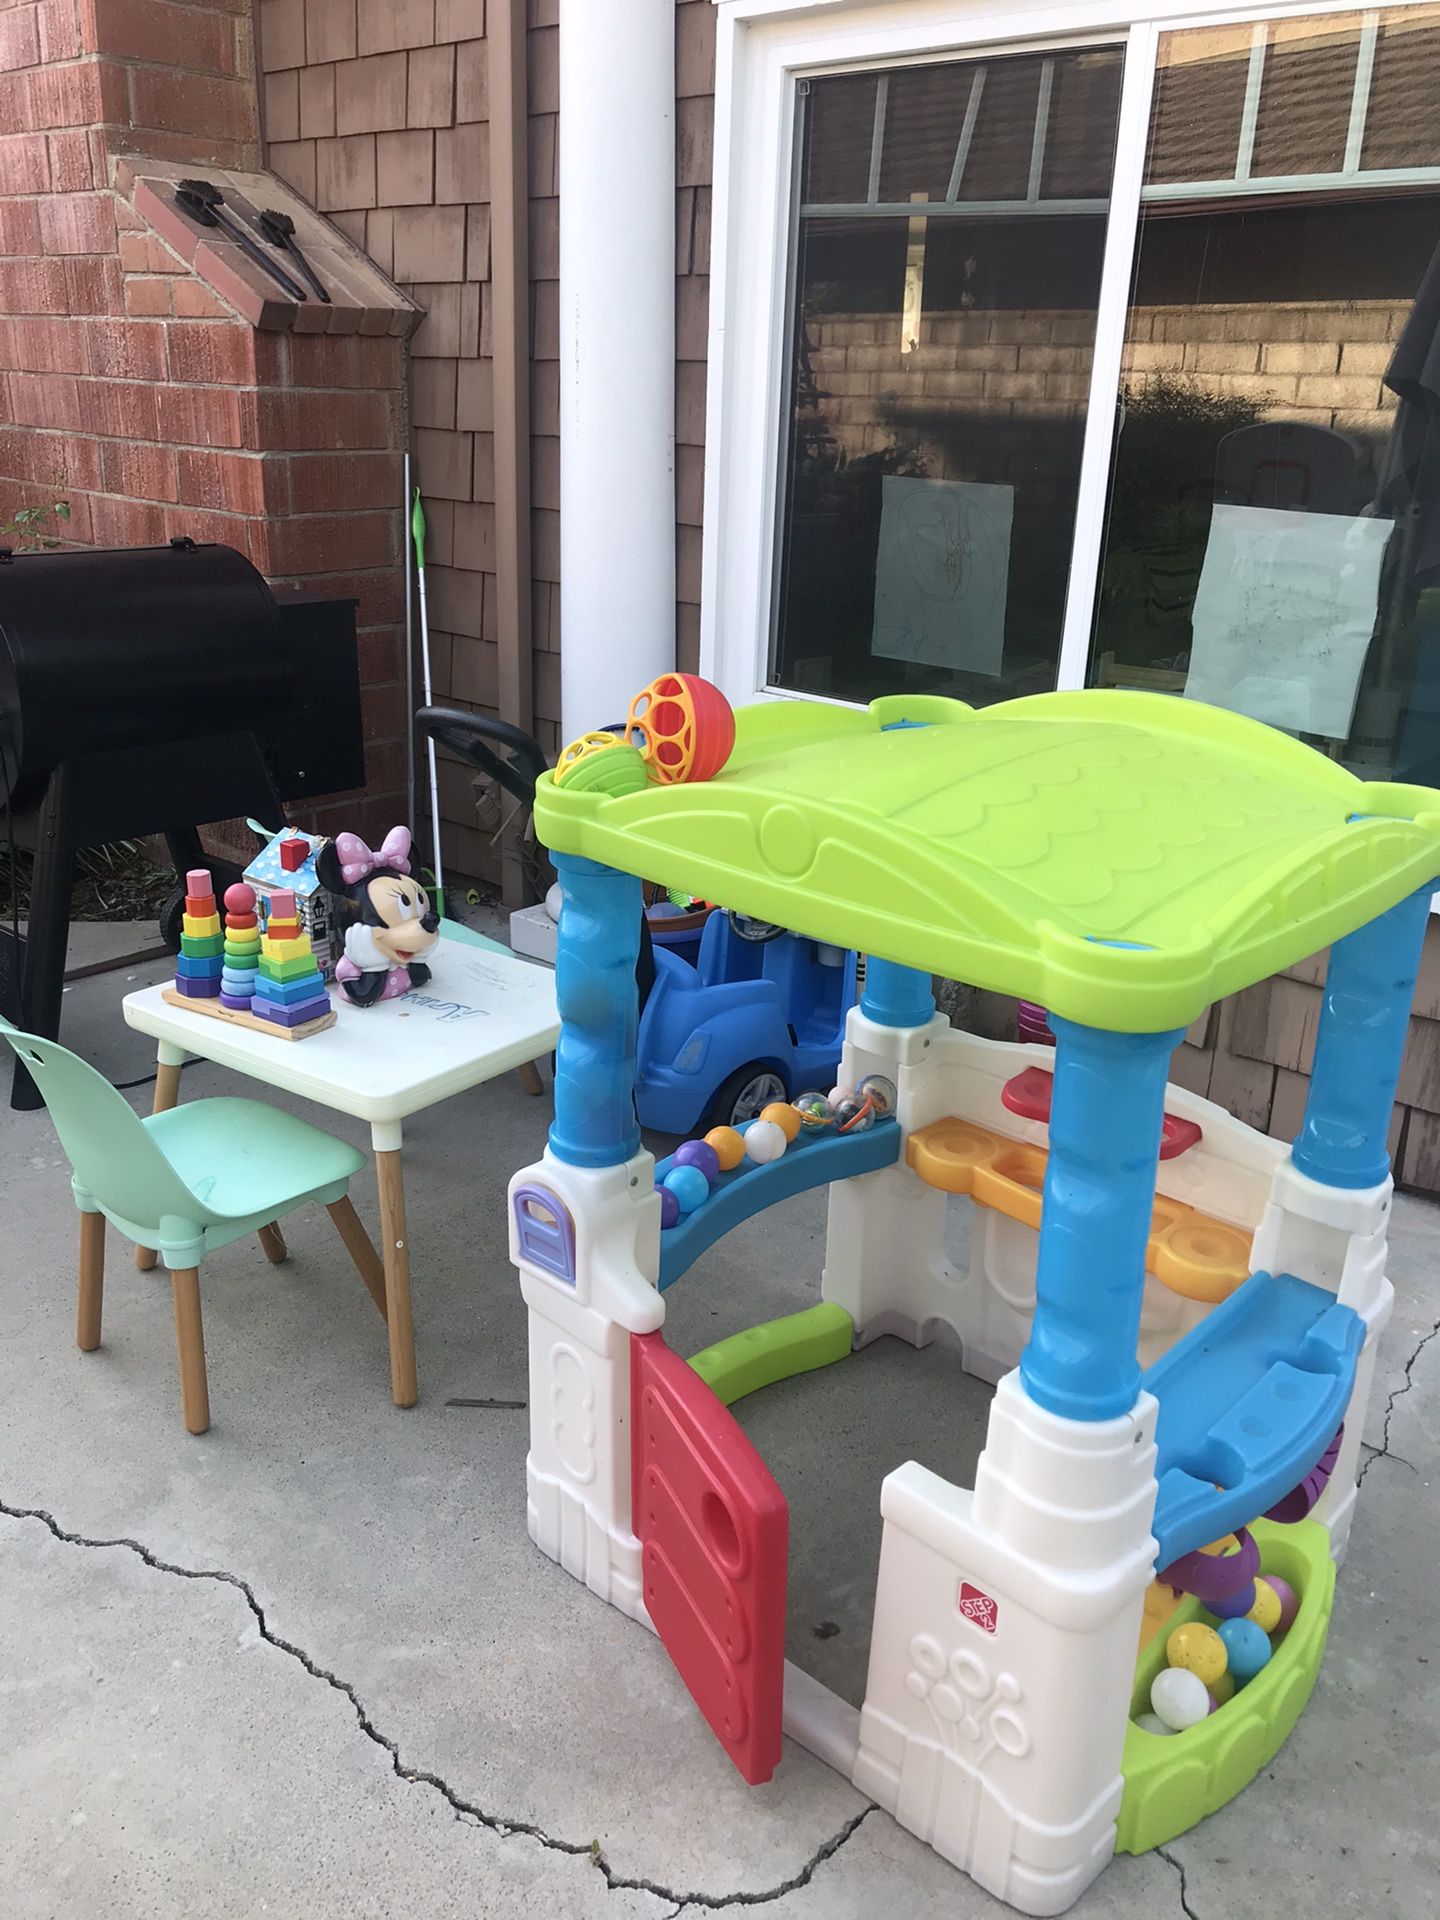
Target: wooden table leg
(395,1247)
(530,1078)
(92,1281)
(167,1095)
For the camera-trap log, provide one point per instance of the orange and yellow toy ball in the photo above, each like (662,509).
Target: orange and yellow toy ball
(784,1116)
(729,1147)
(1266,1610)
(1199,1650)
(683,728)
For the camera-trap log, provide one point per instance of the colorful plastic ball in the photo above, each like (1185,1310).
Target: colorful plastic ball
(697,1153)
(880,1092)
(1180,1698)
(764,1142)
(1289,1602)
(841,1092)
(729,1145)
(1247,1648)
(669,1208)
(1223,1689)
(1235,1606)
(689,1186)
(240,898)
(815,1112)
(683,727)
(1198,1649)
(1266,1610)
(784,1116)
(601,763)
(853,1115)
(1152,1723)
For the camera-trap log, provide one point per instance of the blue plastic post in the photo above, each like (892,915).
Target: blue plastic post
(1106,1112)
(1364,1018)
(896,996)
(595,957)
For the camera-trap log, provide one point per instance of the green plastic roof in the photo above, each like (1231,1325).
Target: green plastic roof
(1005,846)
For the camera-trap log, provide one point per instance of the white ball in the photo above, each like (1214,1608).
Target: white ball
(552,901)
(1180,1697)
(839,1093)
(764,1142)
(1152,1723)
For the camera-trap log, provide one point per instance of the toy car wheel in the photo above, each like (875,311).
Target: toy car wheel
(744,1094)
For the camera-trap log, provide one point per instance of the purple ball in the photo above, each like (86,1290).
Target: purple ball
(1235,1605)
(698,1153)
(669,1208)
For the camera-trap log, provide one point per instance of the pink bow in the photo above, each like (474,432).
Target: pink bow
(356,859)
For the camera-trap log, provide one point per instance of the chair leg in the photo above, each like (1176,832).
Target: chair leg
(360,1248)
(167,1095)
(530,1077)
(92,1282)
(190,1339)
(273,1241)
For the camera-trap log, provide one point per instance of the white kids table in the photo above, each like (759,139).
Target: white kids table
(482,1013)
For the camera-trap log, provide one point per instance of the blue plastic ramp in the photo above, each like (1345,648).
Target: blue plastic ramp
(1249,1400)
(810,1161)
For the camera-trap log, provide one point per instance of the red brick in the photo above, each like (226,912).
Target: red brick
(24,161)
(138,471)
(127,350)
(322,360)
(206,417)
(382,712)
(379,658)
(19,38)
(294,422)
(164,35)
(54,345)
(92,284)
(78,223)
(125,523)
(143,253)
(147,296)
(32,286)
(46,400)
(222,482)
(19,226)
(194,301)
(214,109)
(67,462)
(379,592)
(59,30)
(72,167)
(120,409)
(211,355)
(315,543)
(88,93)
(343,482)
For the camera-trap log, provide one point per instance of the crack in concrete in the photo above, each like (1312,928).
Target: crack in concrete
(1382,1452)
(1171,1861)
(463,1809)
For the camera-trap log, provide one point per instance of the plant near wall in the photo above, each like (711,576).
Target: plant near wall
(29,527)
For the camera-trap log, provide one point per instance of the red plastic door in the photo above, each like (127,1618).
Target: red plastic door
(715,1533)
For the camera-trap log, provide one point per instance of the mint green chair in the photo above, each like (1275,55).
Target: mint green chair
(183,1184)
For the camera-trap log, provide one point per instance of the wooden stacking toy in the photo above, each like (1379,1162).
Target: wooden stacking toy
(268,979)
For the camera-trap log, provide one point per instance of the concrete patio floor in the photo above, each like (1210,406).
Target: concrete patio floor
(310,1664)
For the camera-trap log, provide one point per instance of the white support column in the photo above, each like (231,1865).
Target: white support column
(617,353)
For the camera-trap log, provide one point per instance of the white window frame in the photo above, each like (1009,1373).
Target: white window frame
(763,48)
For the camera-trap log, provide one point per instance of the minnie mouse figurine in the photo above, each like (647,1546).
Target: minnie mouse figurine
(396,925)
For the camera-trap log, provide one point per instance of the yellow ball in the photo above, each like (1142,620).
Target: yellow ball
(1199,1649)
(784,1116)
(1266,1610)
(1223,1688)
(729,1147)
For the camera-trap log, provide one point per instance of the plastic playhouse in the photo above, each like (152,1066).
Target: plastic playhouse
(1179,1314)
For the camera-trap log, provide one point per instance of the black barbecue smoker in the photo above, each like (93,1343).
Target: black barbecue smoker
(152,691)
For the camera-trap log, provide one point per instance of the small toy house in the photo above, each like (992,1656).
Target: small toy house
(286,864)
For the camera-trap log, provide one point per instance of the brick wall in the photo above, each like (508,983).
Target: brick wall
(134,391)
(1319,362)
(378,111)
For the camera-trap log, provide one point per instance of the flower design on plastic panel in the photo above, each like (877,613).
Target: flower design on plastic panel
(970,1710)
